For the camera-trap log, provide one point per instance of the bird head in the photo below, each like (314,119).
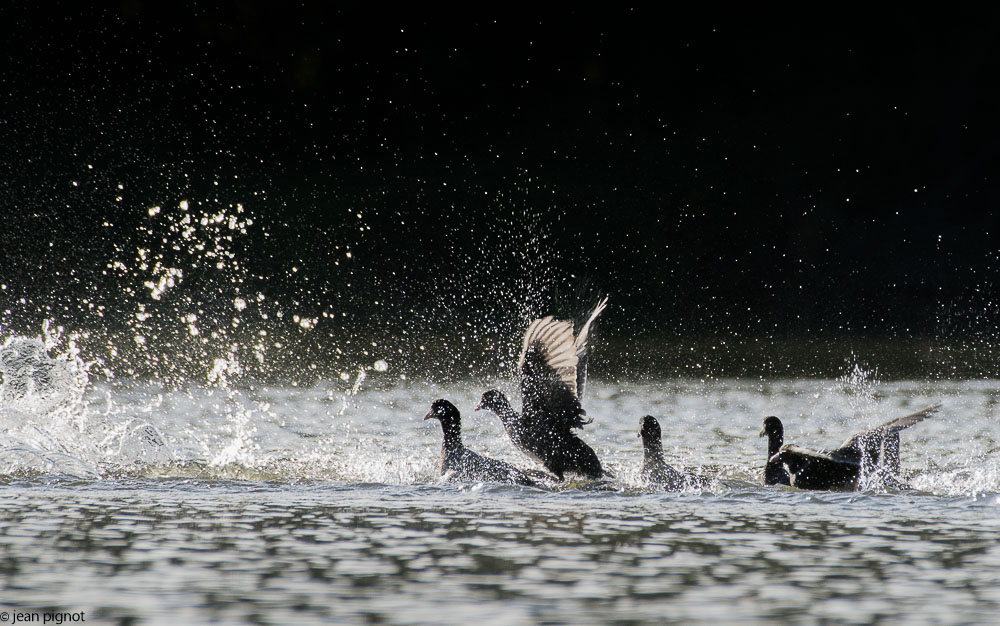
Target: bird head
(442,410)
(649,428)
(493,401)
(772,426)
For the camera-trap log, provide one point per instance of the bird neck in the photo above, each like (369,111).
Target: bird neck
(774,441)
(505,412)
(652,450)
(452,436)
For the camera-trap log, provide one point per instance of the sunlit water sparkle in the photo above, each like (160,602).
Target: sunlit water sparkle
(290,504)
(152,470)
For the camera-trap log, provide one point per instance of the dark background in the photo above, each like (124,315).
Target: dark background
(819,181)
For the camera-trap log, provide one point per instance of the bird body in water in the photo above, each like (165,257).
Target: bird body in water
(774,473)
(874,452)
(553,374)
(655,469)
(461,464)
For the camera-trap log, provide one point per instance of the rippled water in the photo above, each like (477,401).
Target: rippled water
(194,550)
(290,505)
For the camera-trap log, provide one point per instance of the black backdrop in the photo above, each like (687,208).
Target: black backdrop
(747,173)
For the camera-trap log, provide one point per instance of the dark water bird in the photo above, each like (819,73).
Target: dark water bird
(872,452)
(460,463)
(553,375)
(654,466)
(774,473)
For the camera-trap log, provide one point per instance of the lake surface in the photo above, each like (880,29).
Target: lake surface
(133,502)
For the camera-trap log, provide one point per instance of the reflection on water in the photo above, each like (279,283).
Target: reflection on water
(181,550)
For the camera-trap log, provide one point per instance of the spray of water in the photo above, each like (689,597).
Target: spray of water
(187,338)
(189,366)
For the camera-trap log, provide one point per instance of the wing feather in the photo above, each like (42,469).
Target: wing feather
(548,343)
(582,348)
(581,339)
(553,373)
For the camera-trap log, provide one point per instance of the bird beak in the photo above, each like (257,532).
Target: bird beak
(763,432)
(639,434)
(478,406)
(430,414)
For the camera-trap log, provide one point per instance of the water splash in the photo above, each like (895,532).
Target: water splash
(32,379)
(185,293)
(860,388)
(43,381)
(178,381)
(975,478)
(241,449)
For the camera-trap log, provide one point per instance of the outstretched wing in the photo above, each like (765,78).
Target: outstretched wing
(872,438)
(879,447)
(548,369)
(581,347)
(549,342)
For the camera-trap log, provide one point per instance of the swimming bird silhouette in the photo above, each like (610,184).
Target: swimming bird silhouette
(553,375)
(654,466)
(460,463)
(774,473)
(872,452)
